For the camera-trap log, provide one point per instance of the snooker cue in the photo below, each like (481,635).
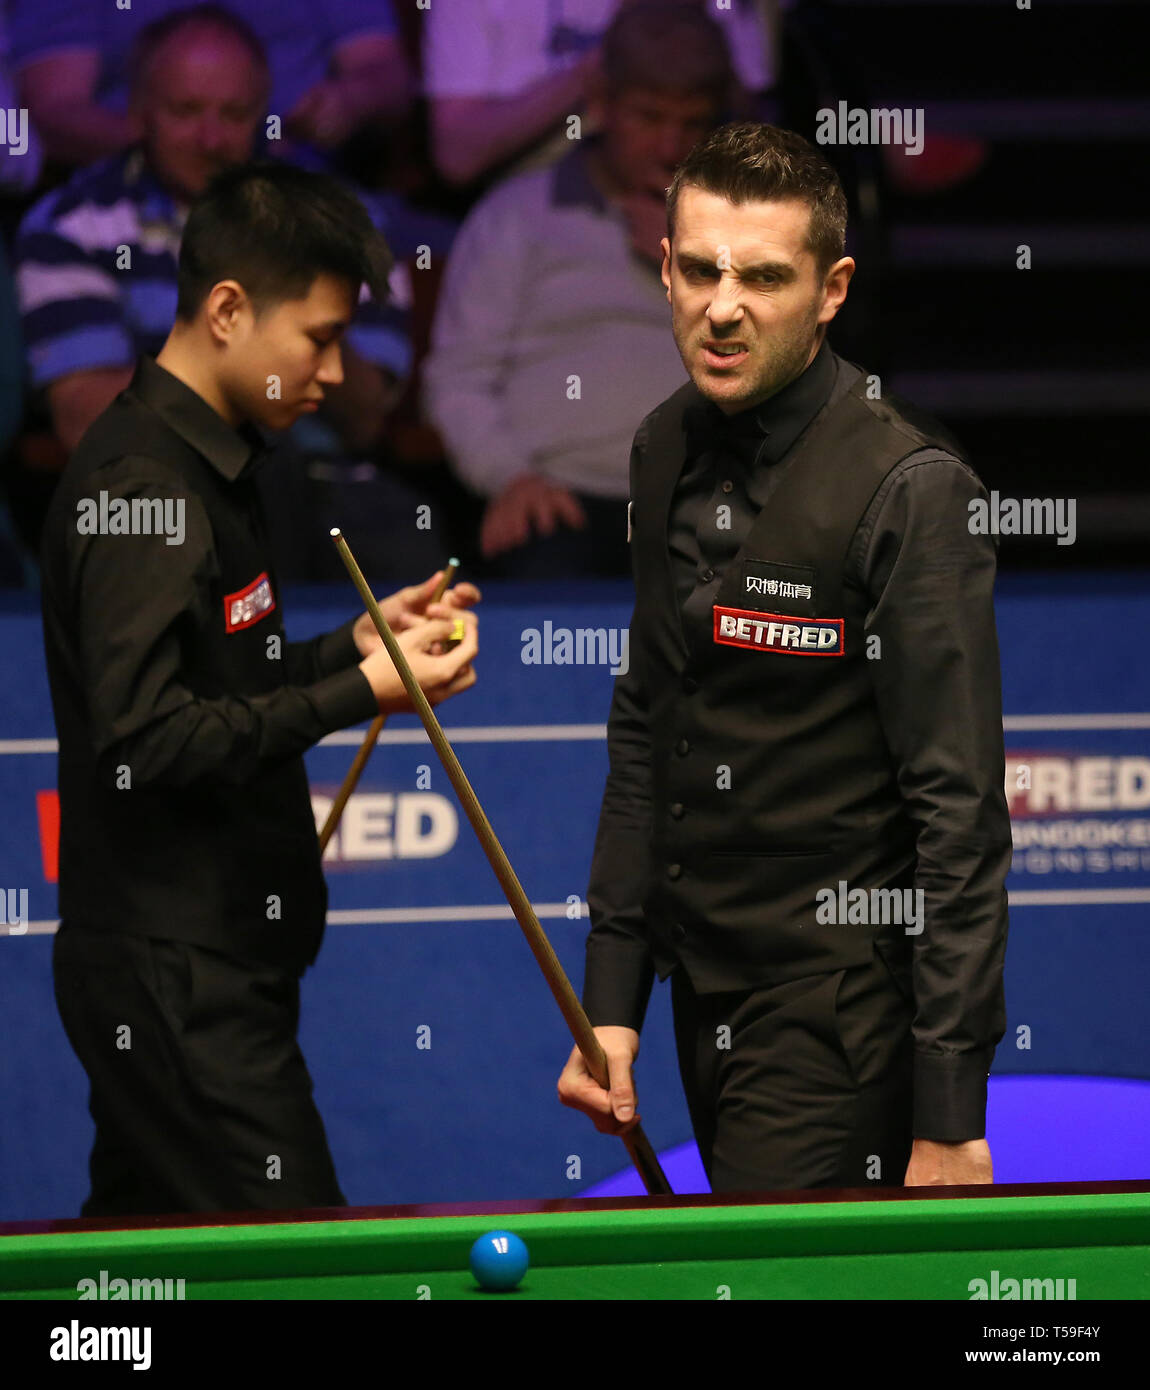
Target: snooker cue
(366,748)
(639,1147)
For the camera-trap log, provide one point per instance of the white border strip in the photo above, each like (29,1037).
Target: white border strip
(1067,897)
(352,738)
(382,916)
(484,733)
(1013,723)
(356,917)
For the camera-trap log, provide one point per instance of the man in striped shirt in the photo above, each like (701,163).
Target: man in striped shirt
(97,258)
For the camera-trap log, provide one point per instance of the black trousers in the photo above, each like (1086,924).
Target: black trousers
(810,1087)
(200,1094)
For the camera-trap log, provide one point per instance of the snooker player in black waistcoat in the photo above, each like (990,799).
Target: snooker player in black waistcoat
(192,895)
(804,823)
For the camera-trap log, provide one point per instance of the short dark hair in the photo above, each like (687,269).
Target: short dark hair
(274,228)
(666,45)
(748,162)
(216,18)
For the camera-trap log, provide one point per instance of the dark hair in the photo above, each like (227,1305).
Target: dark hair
(666,45)
(748,161)
(274,228)
(152,38)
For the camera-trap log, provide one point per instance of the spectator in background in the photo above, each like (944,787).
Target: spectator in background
(550,339)
(502,76)
(335,65)
(98,258)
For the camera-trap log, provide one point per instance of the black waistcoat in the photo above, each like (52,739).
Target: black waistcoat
(770,775)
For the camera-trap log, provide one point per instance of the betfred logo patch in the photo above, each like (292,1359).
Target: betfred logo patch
(248,605)
(778,632)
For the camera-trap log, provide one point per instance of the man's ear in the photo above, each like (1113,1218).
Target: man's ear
(835,288)
(224,309)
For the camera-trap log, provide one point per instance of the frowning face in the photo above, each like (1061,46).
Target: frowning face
(748,304)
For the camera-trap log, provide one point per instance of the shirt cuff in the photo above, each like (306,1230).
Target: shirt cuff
(617,989)
(950,1096)
(344,699)
(337,649)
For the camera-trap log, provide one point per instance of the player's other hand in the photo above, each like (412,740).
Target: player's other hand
(613,1111)
(937,1164)
(410,606)
(528,505)
(440,673)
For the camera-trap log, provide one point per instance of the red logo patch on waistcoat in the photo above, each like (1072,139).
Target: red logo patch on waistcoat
(248,605)
(776,632)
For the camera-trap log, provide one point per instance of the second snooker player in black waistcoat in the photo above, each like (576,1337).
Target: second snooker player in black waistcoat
(804,823)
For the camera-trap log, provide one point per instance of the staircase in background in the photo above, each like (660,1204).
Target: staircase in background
(1043,374)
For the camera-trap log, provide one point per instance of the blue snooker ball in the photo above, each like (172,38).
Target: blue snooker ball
(498,1260)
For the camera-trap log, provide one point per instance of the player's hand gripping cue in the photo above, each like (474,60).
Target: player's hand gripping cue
(612,1111)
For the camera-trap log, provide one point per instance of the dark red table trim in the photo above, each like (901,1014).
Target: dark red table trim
(574,1204)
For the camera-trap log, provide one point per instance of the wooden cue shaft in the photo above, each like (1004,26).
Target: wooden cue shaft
(638,1145)
(367,747)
